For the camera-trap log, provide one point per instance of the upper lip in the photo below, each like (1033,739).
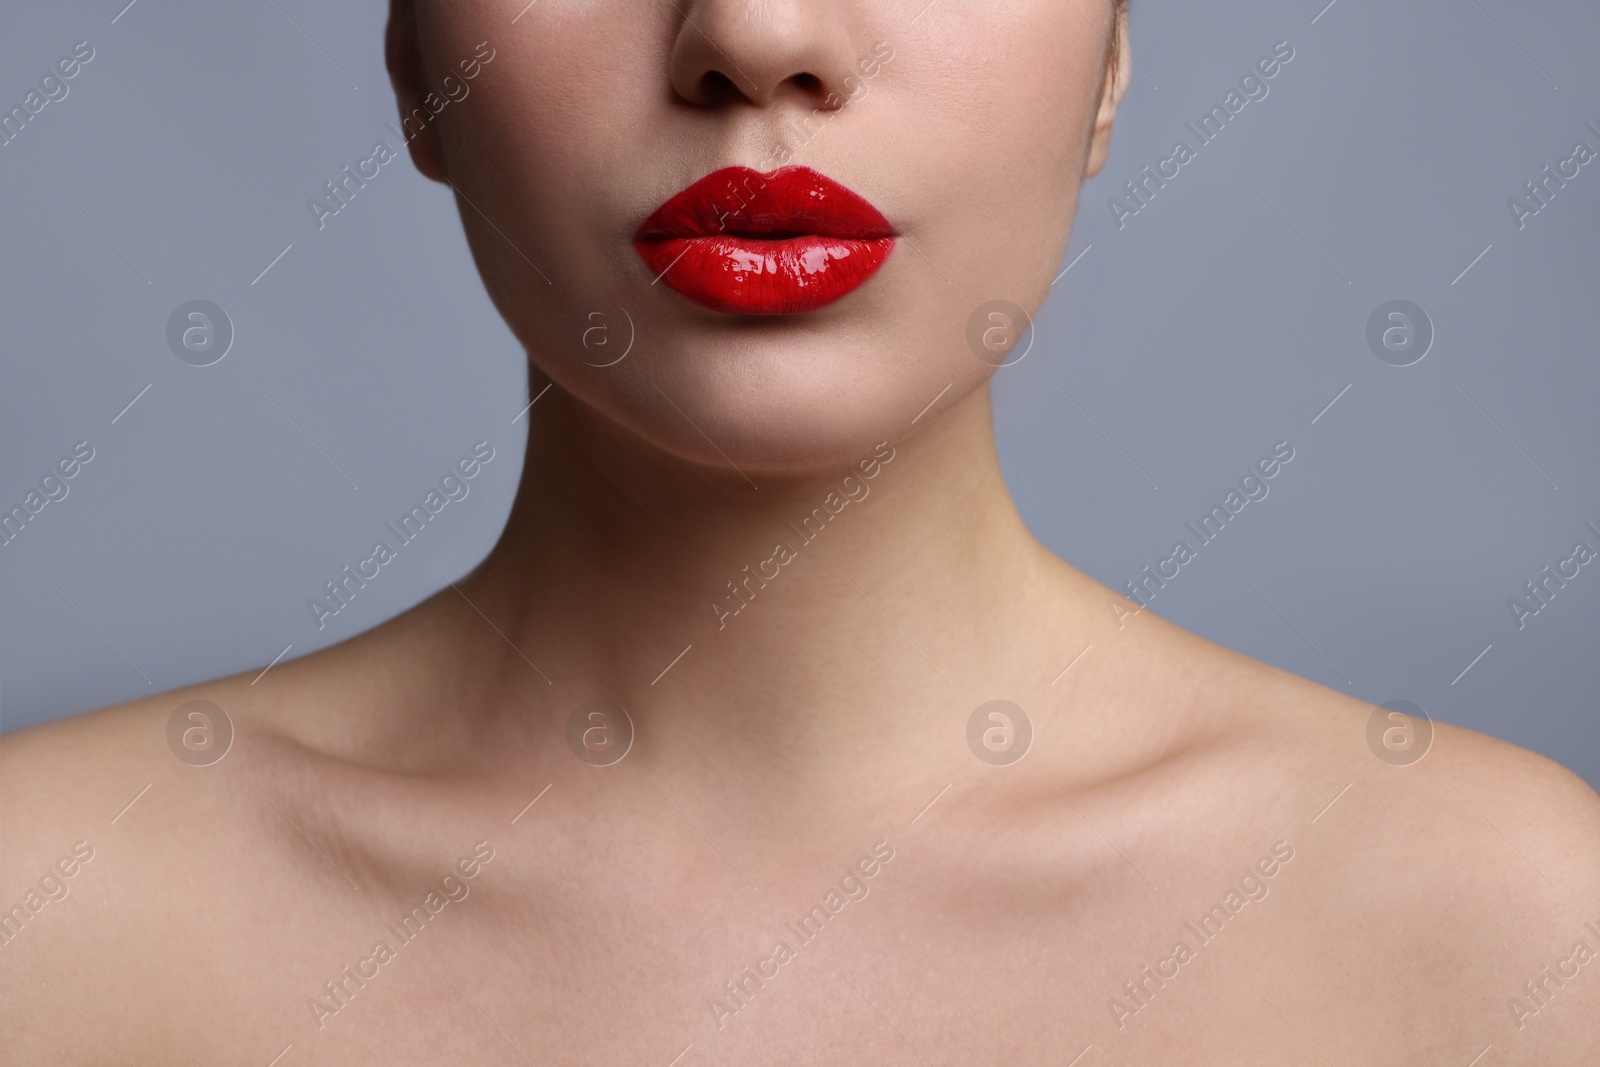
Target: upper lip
(789,202)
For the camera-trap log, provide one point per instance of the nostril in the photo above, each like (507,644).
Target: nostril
(809,82)
(717,86)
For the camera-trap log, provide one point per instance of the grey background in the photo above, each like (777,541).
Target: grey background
(1221,319)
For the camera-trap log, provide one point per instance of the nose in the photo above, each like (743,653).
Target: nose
(761,51)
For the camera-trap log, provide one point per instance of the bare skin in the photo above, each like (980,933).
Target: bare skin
(806,756)
(766,763)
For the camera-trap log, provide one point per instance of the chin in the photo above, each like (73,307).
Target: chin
(774,397)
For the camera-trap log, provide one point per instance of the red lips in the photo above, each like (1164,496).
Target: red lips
(781,243)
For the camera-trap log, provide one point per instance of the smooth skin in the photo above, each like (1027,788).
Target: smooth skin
(829,715)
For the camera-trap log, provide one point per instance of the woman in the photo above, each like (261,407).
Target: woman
(767,734)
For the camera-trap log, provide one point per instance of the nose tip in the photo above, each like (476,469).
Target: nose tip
(732,50)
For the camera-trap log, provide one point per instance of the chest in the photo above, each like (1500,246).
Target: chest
(623,940)
(916,964)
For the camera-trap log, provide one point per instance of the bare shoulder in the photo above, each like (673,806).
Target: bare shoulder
(88,780)
(1303,737)
(1445,784)
(72,843)
(95,776)
(126,842)
(140,846)
(62,774)
(57,779)
(1434,860)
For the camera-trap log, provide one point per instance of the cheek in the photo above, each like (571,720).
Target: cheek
(1001,112)
(972,141)
(574,89)
(558,142)
(1015,102)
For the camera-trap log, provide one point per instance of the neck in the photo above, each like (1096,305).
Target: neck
(767,621)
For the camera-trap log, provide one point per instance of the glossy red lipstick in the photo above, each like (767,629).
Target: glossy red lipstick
(780,243)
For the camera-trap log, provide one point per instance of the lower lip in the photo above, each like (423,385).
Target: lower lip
(748,276)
